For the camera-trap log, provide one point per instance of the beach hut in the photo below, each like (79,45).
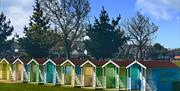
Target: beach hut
(36,70)
(99,73)
(88,74)
(161,75)
(58,71)
(136,76)
(49,71)
(6,69)
(18,70)
(68,72)
(78,72)
(123,83)
(111,75)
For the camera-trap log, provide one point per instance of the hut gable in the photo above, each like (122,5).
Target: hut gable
(111,63)
(67,61)
(18,60)
(4,60)
(136,62)
(159,64)
(33,60)
(88,62)
(49,60)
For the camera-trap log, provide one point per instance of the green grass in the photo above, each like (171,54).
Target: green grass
(33,87)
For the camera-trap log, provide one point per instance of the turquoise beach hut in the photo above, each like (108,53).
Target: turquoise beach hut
(136,76)
(161,75)
(49,72)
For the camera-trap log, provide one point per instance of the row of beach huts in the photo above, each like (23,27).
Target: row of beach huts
(96,74)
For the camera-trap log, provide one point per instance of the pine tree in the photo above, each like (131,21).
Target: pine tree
(38,36)
(5,31)
(104,38)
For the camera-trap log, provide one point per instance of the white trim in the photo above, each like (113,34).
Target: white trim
(32,60)
(4,60)
(18,60)
(109,63)
(135,63)
(89,63)
(68,61)
(49,60)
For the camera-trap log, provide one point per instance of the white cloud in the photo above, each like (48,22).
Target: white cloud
(19,18)
(159,9)
(18,11)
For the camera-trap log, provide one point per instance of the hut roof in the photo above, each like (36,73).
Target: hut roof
(58,61)
(77,62)
(10,60)
(159,64)
(25,60)
(124,63)
(40,60)
(99,62)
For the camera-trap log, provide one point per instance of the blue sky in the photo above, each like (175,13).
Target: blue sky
(164,13)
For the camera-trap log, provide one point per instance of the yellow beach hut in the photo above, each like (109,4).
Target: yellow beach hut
(88,74)
(6,69)
(20,69)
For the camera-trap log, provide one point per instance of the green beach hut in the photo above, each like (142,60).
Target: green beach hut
(99,73)
(123,84)
(36,70)
(111,75)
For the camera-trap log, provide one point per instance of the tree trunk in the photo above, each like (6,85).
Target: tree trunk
(141,54)
(67,48)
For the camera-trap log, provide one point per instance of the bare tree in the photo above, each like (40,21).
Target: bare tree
(141,32)
(69,16)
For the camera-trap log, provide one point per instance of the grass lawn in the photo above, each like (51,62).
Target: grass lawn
(32,87)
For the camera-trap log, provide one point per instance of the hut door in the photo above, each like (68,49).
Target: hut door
(50,71)
(34,69)
(110,77)
(4,71)
(88,76)
(19,70)
(135,79)
(68,75)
